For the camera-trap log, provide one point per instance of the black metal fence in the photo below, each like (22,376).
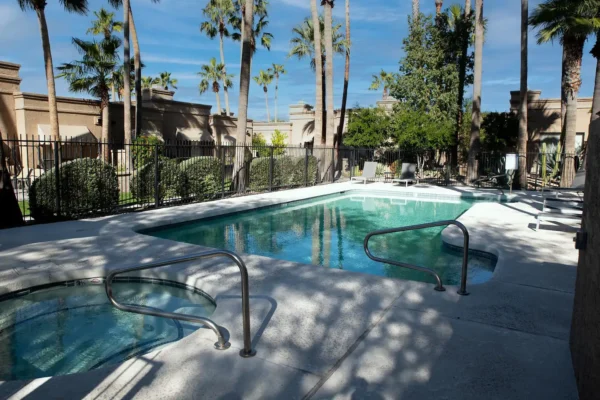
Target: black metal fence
(57,180)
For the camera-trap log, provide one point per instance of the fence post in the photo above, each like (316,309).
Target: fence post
(271,170)
(57,176)
(306,167)
(156,177)
(222,171)
(332,163)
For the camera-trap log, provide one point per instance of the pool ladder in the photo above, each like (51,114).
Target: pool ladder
(222,343)
(439,287)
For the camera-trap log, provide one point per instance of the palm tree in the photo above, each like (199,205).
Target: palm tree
(415,10)
(462,77)
(567,21)
(340,132)
(148,82)
(137,63)
(94,74)
(476,118)
(258,31)
(523,134)
(309,43)
(39,6)
(219,13)
(277,70)
(327,15)
(211,74)
(264,79)
(385,80)
(165,81)
(438,6)
(105,25)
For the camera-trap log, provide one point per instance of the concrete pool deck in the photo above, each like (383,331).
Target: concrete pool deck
(323,333)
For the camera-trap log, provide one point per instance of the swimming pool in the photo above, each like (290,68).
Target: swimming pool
(71,327)
(329,231)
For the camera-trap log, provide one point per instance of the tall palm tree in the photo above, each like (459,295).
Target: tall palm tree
(309,44)
(438,6)
(165,81)
(211,74)
(415,10)
(383,80)
(264,79)
(562,20)
(340,132)
(239,172)
(105,25)
(137,63)
(126,84)
(327,15)
(39,6)
(523,134)
(219,13)
(462,77)
(148,82)
(475,143)
(277,70)
(258,30)
(93,74)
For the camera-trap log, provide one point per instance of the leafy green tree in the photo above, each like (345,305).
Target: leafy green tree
(39,6)
(218,13)
(259,145)
(415,130)
(264,79)
(94,74)
(278,141)
(500,132)
(367,127)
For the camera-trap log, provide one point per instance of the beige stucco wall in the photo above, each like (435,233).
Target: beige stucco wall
(9,84)
(268,129)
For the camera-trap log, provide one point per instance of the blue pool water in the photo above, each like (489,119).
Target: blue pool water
(329,232)
(66,329)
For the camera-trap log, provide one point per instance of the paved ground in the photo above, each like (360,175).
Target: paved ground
(323,333)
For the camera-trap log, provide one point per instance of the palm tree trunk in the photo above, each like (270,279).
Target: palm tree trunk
(415,10)
(574,54)
(340,132)
(52,107)
(276,95)
(138,75)
(218,103)
(596,100)
(126,75)
(267,103)
(239,171)
(221,49)
(105,128)
(318,129)
(476,117)
(327,13)
(462,76)
(523,133)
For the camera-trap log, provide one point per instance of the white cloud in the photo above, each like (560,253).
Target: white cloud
(374,13)
(171,60)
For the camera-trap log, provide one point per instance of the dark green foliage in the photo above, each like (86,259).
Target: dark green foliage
(500,131)
(287,171)
(416,130)
(367,127)
(87,186)
(144,148)
(203,177)
(171,181)
(259,145)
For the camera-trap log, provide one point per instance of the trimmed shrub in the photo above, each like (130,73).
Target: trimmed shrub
(287,171)
(203,177)
(171,181)
(143,149)
(87,186)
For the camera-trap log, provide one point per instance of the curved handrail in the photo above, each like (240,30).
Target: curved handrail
(221,344)
(439,287)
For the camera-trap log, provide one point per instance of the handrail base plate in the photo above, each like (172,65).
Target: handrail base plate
(224,346)
(245,354)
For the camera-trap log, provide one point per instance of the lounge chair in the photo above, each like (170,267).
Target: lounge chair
(368,173)
(569,208)
(407,174)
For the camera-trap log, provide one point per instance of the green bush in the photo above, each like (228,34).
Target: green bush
(287,171)
(87,186)
(203,177)
(171,181)
(143,149)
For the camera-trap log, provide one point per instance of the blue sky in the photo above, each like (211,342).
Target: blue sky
(170,40)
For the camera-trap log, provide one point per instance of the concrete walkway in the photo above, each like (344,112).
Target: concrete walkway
(324,333)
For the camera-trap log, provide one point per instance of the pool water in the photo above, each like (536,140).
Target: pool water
(329,232)
(66,329)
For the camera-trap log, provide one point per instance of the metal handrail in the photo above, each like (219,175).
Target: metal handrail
(439,287)
(221,344)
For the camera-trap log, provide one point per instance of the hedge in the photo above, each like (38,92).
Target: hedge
(171,181)
(86,186)
(203,177)
(287,171)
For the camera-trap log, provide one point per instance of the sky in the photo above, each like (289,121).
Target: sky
(170,40)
